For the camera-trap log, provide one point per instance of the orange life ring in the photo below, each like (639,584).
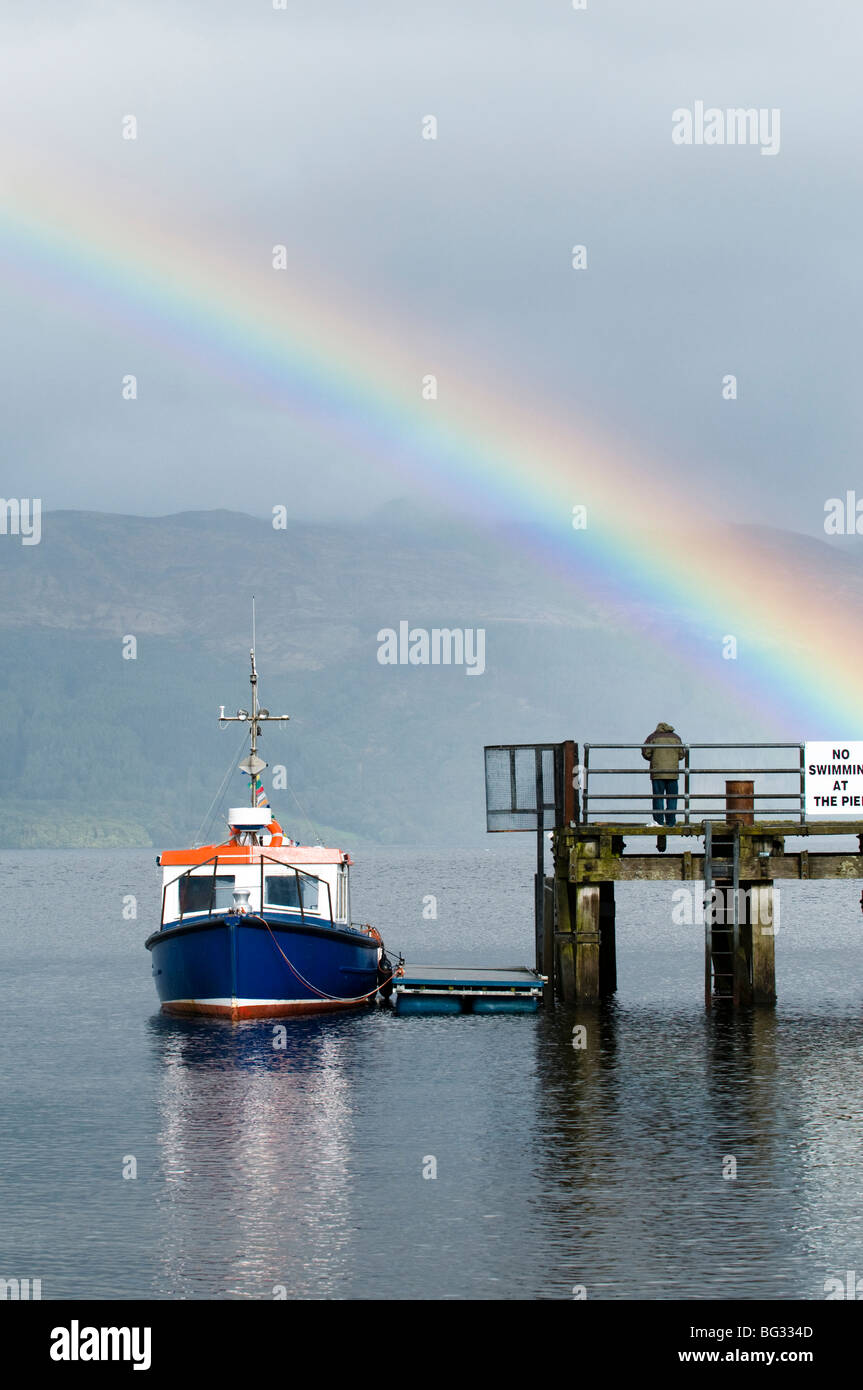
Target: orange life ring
(275,831)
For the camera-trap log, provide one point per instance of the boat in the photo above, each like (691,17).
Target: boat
(259,926)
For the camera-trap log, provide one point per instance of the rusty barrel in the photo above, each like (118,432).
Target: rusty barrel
(740,803)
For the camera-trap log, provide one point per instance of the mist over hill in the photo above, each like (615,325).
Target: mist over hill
(98,749)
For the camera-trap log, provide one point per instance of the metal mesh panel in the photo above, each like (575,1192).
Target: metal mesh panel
(511,786)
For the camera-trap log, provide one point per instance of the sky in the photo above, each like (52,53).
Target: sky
(303,126)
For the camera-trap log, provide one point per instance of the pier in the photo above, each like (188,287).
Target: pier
(733,821)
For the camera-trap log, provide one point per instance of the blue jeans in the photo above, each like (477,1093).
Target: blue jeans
(664,800)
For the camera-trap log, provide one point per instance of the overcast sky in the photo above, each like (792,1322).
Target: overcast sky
(303,126)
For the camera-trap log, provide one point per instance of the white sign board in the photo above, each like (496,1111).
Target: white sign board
(834,779)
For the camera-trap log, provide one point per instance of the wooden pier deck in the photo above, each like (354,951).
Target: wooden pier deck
(762,851)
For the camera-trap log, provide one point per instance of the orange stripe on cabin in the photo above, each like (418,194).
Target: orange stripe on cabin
(251,854)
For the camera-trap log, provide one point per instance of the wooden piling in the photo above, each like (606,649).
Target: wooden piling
(548,943)
(607,939)
(743,956)
(587,939)
(762,908)
(564,916)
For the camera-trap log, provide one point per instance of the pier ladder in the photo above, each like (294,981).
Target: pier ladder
(721,936)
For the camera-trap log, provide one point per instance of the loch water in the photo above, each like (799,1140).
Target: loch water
(304,1171)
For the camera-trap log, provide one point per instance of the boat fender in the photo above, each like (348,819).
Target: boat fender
(385,971)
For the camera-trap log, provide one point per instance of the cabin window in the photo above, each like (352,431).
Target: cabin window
(309,888)
(282,890)
(195,893)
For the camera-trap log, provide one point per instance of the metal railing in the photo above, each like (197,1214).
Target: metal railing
(299,874)
(229,859)
(694,806)
(214,860)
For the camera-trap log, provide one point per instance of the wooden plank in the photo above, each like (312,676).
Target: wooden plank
(629,867)
(656,867)
(696,828)
(469,976)
(836,865)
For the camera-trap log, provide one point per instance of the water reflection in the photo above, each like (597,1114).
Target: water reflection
(685,1155)
(255,1146)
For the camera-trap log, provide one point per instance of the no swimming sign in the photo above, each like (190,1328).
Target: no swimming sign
(834,779)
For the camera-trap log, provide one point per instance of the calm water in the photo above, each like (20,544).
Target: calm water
(303,1168)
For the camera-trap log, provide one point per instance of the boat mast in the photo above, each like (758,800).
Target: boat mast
(254,729)
(253,764)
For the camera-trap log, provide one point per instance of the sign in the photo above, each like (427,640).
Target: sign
(834,779)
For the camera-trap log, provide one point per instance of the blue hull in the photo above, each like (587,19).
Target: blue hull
(235,967)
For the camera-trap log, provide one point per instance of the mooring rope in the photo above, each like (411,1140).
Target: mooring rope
(335,998)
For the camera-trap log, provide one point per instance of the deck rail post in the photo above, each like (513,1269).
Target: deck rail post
(585,799)
(570,788)
(802,784)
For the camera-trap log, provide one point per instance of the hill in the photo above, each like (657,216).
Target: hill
(98,749)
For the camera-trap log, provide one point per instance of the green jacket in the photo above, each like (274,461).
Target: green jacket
(664,751)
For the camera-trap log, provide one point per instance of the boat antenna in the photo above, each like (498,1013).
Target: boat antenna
(253,764)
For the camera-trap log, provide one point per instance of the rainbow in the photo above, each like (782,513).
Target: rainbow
(345,368)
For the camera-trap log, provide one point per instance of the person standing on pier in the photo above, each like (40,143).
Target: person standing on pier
(663,749)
